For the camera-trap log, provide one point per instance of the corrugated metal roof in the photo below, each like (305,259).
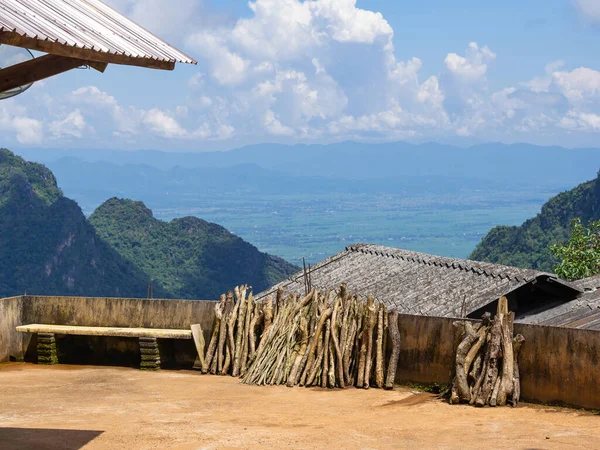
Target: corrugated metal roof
(583,312)
(416,283)
(85,24)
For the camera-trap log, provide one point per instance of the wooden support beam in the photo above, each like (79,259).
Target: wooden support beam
(56,48)
(35,70)
(100,67)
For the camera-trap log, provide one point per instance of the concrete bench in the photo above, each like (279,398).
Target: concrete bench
(150,356)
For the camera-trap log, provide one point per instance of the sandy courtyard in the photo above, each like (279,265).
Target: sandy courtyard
(72,407)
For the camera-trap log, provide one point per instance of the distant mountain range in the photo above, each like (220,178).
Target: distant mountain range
(47,246)
(528,245)
(520,164)
(170,180)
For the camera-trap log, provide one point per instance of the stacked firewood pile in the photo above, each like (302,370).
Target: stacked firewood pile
(486,370)
(327,339)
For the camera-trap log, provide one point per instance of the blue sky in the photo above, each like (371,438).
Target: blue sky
(330,70)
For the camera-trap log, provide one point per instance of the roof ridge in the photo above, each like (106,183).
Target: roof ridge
(466,265)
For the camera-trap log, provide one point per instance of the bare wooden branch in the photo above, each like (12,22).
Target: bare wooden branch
(379,350)
(394,334)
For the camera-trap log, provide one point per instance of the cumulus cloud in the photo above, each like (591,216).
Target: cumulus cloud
(590,9)
(162,124)
(72,125)
(581,85)
(471,67)
(165,18)
(316,70)
(16,120)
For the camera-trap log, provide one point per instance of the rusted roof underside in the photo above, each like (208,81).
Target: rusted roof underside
(416,283)
(86,27)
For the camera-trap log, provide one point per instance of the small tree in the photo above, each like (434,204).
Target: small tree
(580,255)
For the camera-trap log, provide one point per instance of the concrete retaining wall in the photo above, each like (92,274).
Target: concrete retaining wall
(118,312)
(100,311)
(11,342)
(558,365)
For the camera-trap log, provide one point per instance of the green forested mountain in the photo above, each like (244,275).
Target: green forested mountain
(528,245)
(46,244)
(188,257)
(48,247)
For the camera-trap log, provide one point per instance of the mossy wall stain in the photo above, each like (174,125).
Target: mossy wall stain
(11,342)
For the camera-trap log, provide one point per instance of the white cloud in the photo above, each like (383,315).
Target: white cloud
(473,66)
(227,67)
(347,23)
(16,120)
(589,9)
(275,127)
(29,131)
(315,70)
(73,125)
(94,96)
(579,121)
(163,124)
(163,17)
(581,85)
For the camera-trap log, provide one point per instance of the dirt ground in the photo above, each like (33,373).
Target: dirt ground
(72,407)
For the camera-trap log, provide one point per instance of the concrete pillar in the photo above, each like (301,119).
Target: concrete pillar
(46,349)
(150,354)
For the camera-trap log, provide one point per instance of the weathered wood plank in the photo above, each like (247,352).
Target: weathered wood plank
(35,70)
(56,48)
(106,331)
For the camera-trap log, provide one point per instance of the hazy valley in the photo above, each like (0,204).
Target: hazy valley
(311,201)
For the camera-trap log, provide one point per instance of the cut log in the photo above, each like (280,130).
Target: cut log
(254,326)
(279,302)
(335,332)
(484,368)
(318,360)
(267,321)
(379,349)
(303,339)
(464,393)
(313,345)
(491,370)
(229,304)
(345,326)
(459,331)
(493,398)
(475,371)
(325,371)
(372,320)
(212,345)
(331,373)
(508,364)
(362,358)
(474,350)
(198,336)
(394,334)
(516,395)
(348,351)
(245,349)
(227,362)
(241,296)
(230,347)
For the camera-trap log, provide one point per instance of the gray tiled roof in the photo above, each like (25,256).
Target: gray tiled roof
(412,282)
